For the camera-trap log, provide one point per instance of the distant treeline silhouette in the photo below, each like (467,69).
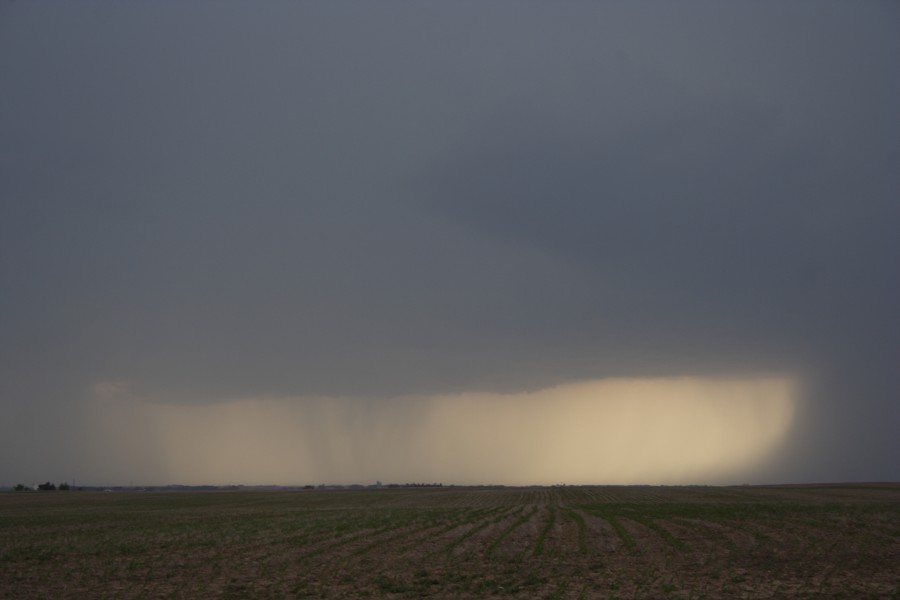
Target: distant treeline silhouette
(50,487)
(44,487)
(397,485)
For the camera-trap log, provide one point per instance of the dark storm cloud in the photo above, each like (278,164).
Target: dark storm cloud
(743,223)
(208,201)
(698,222)
(717,239)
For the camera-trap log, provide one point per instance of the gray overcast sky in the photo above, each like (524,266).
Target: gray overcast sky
(203,201)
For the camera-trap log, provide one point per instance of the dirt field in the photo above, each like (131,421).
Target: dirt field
(571,542)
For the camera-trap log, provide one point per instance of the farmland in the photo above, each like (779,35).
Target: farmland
(455,542)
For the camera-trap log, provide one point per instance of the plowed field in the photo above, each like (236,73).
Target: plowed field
(455,542)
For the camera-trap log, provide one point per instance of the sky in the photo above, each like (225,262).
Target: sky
(503,242)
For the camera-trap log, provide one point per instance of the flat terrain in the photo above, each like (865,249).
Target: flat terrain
(570,542)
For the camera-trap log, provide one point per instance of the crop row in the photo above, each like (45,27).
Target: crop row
(565,542)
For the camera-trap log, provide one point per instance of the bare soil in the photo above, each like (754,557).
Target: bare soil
(566,543)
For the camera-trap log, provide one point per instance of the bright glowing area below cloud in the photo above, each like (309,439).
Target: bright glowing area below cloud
(663,430)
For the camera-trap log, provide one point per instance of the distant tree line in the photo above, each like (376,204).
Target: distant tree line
(44,487)
(396,485)
(376,485)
